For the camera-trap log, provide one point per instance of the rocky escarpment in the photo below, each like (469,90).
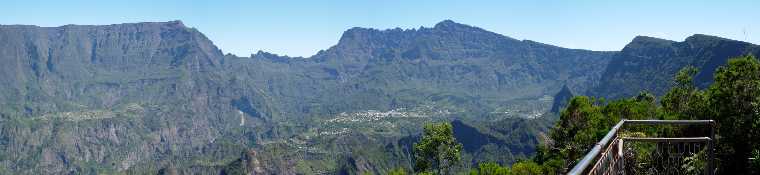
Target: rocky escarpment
(161,98)
(561,99)
(94,65)
(145,97)
(116,97)
(650,63)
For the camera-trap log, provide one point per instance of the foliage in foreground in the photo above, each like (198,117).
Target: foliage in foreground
(438,151)
(733,101)
(519,168)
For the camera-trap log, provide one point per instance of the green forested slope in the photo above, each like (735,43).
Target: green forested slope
(150,97)
(160,97)
(649,63)
(731,101)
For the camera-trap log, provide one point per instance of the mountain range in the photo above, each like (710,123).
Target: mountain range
(160,97)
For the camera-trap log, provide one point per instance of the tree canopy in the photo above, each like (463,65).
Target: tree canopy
(438,151)
(733,101)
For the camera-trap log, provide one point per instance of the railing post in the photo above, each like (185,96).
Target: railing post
(606,149)
(621,153)
(711,149)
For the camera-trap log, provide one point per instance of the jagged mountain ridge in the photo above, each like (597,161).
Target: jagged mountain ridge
(119,96)
(650,63)
(145,97)
(411,61)
(55,60)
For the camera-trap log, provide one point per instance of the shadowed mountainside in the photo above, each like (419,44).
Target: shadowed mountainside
(160,97)
(649,63)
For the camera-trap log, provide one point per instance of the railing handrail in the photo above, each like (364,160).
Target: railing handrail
(669,122)
(590,157)
(668,139)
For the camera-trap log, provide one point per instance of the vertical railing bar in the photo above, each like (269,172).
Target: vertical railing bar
(710,151)
(596,151)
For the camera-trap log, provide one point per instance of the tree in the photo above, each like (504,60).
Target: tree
(526,168)
(684,100)
(573,133)
(583,123)
(397,171)
(437,150)
(490,168)
(734,101)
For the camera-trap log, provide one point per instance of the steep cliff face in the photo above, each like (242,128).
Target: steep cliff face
(149,97)
(453,56)
(160,97)
(111,97)
(561,99)
(133,97)
(47,69)
(372,69)
(650,63)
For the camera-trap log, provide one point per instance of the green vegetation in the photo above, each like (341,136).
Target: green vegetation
(583,123)
(397,171)
(527,168)
(490,168)
(733,100)
(438,151)
(144,98)
(519,168)
(648,63)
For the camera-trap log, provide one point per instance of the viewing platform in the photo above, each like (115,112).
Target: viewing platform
(615,153)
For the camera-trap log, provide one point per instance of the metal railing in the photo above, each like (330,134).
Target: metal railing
(614,155)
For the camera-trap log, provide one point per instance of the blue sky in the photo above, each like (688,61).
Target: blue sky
(301,28)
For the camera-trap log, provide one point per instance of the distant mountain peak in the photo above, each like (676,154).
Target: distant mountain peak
(444,26)
(642,38)
(169,23)
(359,29)
(366,43)
(703,36)
(353,34)
(449,25)
(701,39)
(263,54)
(696,38)
(447,22)
(561,99)
(644,44)
(274,57)
(176,22)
